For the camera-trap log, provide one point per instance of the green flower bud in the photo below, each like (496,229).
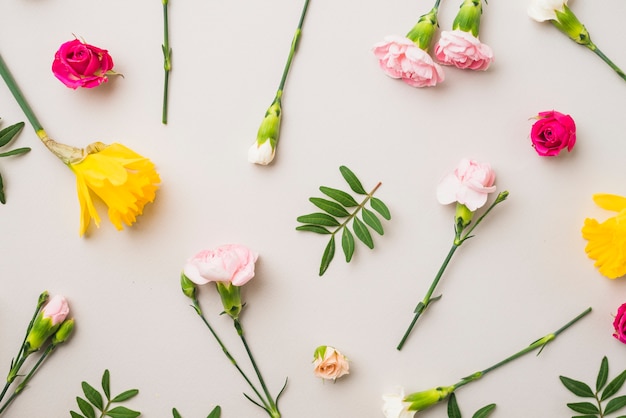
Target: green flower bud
(47,322)
(422,400)
(188,287)
(231,298)
(567,22)
(468,17)
(423,32)
(264,148)
(64,331)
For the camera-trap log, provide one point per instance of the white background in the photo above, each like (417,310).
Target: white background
(522,276)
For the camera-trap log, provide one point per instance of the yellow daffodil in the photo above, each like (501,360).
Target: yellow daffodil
(124,180)
(607,240)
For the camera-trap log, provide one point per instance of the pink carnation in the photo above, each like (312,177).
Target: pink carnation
(463,50)
(400,57)
(469,184)
(232,263)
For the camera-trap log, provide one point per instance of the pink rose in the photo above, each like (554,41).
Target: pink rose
(230,263)
(463,50)
(469,184)
(552,132)
(329,363)
(400,57)
(78,64)
(56,309)
(620,324)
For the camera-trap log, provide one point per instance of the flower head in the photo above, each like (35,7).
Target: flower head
(231,263)
(620,324)
(264,148)
(607,240)
(47,322)
(552,132)
(425,399)
(124,180)
(461,46)
(469,184)
(78,64)
(394,406)
(542,10)
(329,363)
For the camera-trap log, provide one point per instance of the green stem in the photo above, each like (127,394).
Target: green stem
(167,60)
(196,306)
(356,211)
(294,45)
(540,343)
(499,199)
(19,97)
(273,411)
(606,59)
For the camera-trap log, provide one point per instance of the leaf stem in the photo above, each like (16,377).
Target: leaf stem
(358,208)
(19,97)
(167,60)
(294,45)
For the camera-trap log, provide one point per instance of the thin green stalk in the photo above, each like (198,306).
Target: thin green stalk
(19,97)
(167,60)
(606,59)
(294,45)
(198,310)
(540,343)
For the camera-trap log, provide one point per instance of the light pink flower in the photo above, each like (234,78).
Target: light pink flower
(469,184)
(620,324)
(463,50)
(399,57)
(231,263)
(552,132)
(78,64)
(56,309)
(329,363)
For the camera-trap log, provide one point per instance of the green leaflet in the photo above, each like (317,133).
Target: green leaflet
(215,413)
(95,401)
(455,412)
(337,213)
(6,136)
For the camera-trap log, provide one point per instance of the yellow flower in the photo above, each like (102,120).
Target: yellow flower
(607,240)
(124,180)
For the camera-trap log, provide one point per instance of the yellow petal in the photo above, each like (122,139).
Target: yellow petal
(611,202)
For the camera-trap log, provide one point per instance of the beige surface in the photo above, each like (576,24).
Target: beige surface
(524,274)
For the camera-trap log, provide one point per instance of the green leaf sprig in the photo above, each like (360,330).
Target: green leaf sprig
(95,401)
(6,136)
(602,393)
(339,212)
(215,413)
(455,412)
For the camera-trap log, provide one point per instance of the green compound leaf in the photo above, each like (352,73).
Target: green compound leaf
(453,407)
(353,181)
(340,196)
(362,233)
(603,374)
(125,395)
(106,384)
(8,133)
(347,243)
(328,255)
(614,386)
(85,407)
(329,206)
(584,407)
(485,411)
(372,220)
(122,412)
(215,413)
(318,219)
(93,395)
(615,404)
(313,228)
(577,388)
(380,207)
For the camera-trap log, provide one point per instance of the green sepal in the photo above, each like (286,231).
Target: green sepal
(567,22)
(340,196)
(347,244)
(352,180)
(321,219)
(231,298)
(362,233)
(327,257)
(329,206)
(468,17)
(424,30)
(8,133)
(313,228)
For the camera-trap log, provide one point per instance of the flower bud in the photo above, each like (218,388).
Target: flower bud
(468,17)
(188,287)
(231,298)
(264,148)
(567,22)
(422,400)
(64,331)
(47,322)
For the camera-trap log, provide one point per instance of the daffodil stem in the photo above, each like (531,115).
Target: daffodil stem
(196,306)
(167,60)
(606,59)
(19,97)
(294,46)
(540,343)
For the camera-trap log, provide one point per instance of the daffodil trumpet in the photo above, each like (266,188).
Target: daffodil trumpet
(124,180)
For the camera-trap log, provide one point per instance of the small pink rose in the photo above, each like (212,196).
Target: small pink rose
(552,132)
(469,184)
(620,324)
(232,263)
(329,363)
(463,50)
(56,309)
(400,57)
(78,64)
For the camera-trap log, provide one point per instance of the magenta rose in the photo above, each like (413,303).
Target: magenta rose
(78,64)
(552,132)
(463,50)
(400,57)
(620,324)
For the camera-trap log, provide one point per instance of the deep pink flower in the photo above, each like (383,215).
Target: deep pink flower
(399,57)
(232,263)
(469,184)
(463,50)
(620,324)
(78,64)
(552,132)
